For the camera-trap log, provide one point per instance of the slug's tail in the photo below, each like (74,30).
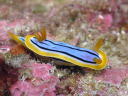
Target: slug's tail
(15,38)
(40,36)
(103,61)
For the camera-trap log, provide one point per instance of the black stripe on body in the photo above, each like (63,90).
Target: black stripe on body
(72,48)
(63,53)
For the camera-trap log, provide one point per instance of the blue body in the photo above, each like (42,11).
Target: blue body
(81,54)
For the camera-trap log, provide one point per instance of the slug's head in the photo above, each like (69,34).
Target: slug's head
(102,62)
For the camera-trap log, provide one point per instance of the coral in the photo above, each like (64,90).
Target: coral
(41,83)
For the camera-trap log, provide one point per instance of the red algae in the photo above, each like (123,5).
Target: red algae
(41,82)
(78,22)
(8,76)
(114,76)
(17,49)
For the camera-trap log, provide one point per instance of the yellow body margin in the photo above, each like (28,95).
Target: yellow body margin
(104,59)
(15,38)
(32,47)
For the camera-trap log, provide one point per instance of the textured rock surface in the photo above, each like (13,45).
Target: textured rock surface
(78,22)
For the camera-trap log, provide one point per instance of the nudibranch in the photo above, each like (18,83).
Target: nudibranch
(95,58)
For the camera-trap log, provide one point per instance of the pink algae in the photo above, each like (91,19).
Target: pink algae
(3,33)
(4,46)
(113,76)
(40,71)
(105,22)
(43,83)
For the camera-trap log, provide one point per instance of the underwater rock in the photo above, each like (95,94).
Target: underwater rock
(41,82)
(113,76)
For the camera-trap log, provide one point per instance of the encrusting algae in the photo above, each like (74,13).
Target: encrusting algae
(76,22)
